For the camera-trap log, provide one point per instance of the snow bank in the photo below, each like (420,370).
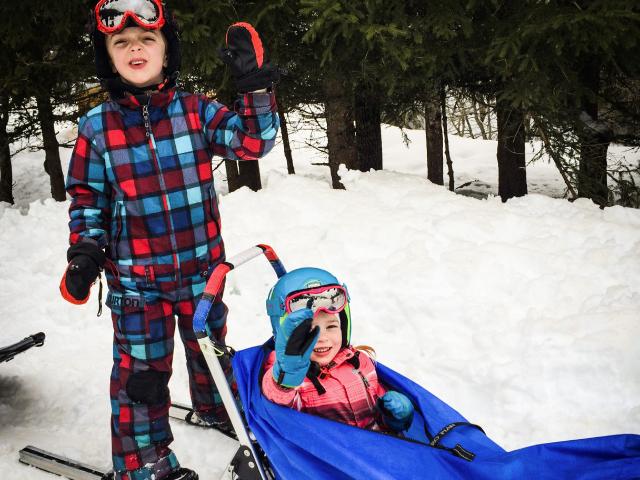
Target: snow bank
(523,316)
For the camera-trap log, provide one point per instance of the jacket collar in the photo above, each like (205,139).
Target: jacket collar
(341,357)
(156,99)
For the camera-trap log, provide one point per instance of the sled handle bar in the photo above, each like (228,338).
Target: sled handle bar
(218,275)
(246,459)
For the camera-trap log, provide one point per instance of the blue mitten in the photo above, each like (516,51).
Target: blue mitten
(397,410)
(295,340)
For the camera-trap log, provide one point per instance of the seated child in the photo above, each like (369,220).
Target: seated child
(314,369)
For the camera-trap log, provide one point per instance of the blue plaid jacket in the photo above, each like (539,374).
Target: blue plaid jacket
(140,178)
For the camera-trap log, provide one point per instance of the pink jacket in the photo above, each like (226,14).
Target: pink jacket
(350,396)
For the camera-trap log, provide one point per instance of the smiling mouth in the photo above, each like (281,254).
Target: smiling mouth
(137,63)
(322,349)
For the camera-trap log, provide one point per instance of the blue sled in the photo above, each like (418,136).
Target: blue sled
(301,446)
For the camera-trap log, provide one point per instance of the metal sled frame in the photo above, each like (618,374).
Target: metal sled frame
(246,463)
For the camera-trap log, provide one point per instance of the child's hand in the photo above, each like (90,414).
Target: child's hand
(397,410)
(295,340)
(246,58)
(85,260)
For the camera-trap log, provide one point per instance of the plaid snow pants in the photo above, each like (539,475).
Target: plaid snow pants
(144,322)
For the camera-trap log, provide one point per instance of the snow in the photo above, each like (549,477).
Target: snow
(523,316)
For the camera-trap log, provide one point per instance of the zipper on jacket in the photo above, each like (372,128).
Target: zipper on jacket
(165,202)
(366,389)
(145,116)
(118,227)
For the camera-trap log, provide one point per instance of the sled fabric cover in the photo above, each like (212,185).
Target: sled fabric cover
(303,446)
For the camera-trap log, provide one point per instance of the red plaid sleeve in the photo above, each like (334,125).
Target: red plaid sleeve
(247,133)
(89,189)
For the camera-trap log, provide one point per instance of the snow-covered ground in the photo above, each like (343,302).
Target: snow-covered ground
(524,316)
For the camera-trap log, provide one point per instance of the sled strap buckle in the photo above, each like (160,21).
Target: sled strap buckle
(222,350)
(461,452)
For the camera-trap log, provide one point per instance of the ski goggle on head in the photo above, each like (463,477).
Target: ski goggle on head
(328,298)
(112,15)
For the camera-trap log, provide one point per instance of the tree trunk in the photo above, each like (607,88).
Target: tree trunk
(250,174)
(445,130)
(592,174)
(52,163)
(233,177)
(285,139)
(594,143)
(340,129)
(368,131)
(433,130)
(512,174)
(6,173)
(245,173)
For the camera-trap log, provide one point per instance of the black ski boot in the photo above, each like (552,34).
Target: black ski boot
(209,421)
(182,474)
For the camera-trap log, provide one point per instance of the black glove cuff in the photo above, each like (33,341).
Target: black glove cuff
(89,249)
(265,77)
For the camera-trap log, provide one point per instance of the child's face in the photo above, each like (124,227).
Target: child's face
(330,340)
(138,55)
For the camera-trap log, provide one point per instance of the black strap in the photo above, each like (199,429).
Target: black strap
(99,295)
(447,429)
(312,374)
(355,360)
(458,450)
(316,383)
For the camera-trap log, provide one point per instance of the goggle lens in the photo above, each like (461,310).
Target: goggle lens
(111,15)
(330,298)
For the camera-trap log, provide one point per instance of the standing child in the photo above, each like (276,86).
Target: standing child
(144,208)
(314,368)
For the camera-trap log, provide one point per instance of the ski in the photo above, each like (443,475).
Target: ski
(63,466)
(74,470)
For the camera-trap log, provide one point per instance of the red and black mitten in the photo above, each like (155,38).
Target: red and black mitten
(247,59)
(85,261)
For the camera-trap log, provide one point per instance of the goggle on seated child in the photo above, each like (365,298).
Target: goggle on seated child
(314,368)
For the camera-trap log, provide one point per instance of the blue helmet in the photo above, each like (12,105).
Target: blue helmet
(301,279)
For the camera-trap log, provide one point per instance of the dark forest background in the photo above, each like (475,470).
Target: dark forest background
(566,73)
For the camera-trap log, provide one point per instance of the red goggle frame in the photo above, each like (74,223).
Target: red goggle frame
(112,15)
(328,298)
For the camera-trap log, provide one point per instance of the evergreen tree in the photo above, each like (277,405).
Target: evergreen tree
(50,64)
(360,50)
(559,57)
(7,62)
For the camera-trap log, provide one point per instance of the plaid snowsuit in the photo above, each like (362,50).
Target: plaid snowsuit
(141,187)
(350,397)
